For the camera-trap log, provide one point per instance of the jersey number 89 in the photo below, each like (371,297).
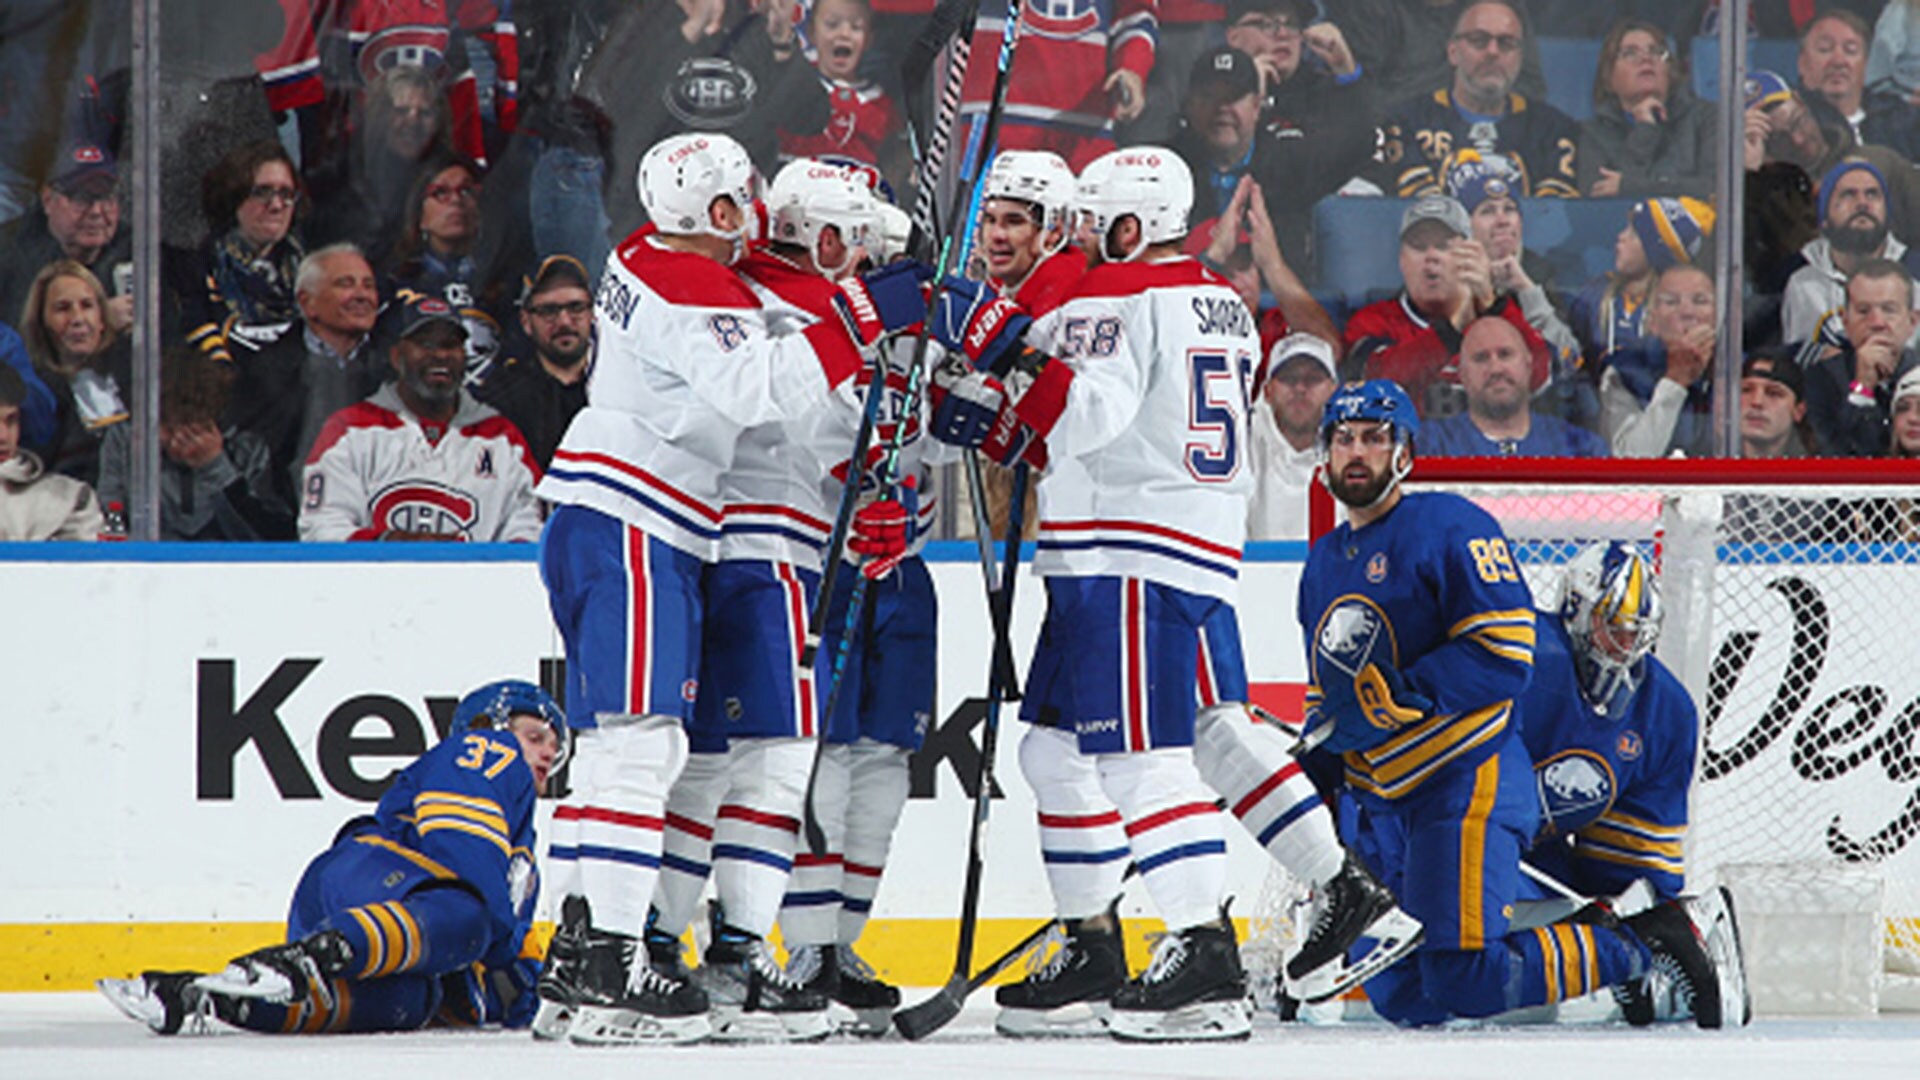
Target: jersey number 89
(1491,560)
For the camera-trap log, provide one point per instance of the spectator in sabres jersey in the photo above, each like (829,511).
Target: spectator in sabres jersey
(421,459)
(1479,109)
(1499,420)
(1649,134)
(420,913)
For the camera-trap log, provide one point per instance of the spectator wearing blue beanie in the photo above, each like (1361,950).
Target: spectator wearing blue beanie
(1853,229)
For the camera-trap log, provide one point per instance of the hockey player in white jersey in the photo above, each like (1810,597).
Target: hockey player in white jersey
(686,362)
(737,809)
(1026,229)
(1093,518)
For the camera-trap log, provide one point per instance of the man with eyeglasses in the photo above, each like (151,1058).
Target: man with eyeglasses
(542,381)
(1402,45)
(1479,110)
(78,218)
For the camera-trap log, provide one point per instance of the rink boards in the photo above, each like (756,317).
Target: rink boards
(191,724)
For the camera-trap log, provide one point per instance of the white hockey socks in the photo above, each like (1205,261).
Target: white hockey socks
(879,782)
(686,859)
(1250,765)
(622,772)
(810,911)
(1082,842)
(756,829)
(1178,839)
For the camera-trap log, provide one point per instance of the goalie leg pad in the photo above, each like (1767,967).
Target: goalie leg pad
(879,786)
(623,771)
(1178,840)
(685,861)
(1248,763)
(810,911)
(757,826)
(1082,840)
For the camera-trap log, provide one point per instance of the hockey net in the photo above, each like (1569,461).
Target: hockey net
(1788,589)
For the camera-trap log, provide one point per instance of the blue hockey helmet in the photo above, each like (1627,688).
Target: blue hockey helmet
(1379,400)
(1612,611)
(497,703)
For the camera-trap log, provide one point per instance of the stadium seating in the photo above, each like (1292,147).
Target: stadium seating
(1780,57)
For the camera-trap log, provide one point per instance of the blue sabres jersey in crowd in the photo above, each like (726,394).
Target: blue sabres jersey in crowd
(465,810)
(1613,790)
(1432,590)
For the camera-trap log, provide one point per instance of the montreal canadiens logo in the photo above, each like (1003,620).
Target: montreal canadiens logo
(403,46)
(424,506)
(1060,18)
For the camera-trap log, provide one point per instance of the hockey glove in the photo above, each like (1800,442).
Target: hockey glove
(973,319)
(1386,701)
(965,403)
(882,530)
(884,301)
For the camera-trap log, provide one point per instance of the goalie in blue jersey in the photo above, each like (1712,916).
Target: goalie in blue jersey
(1421,639)
(418,914)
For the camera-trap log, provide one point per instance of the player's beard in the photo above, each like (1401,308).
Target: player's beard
(1360,494)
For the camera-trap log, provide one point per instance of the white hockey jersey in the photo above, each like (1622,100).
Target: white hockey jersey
(686,362)
(1149,476)
(372,469)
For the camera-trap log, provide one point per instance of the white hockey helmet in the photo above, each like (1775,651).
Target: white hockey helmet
(1610,604)
(1039,177)
(807,196)
(681,176)
(893,231)
(1151,183)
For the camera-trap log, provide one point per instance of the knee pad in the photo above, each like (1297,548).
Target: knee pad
(877,786)
(642,755)
(1062,778)
(1144,782)
(769,774)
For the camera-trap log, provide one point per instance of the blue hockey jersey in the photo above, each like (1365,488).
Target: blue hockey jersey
(1432,590)
(1613,790)
(465,810)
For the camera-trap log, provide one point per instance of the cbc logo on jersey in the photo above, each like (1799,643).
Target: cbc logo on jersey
(423,506)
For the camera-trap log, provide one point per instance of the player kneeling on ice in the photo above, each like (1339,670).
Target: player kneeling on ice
(418,914)
(1612,734)
(1421,641)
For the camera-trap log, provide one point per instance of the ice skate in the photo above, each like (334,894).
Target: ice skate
(1697,968)
(1070,993)
(1351,908)
(753,997)
(560,977)
(863,1002)
(165,1001)
(1194,989)
(286,973)
(621,1002)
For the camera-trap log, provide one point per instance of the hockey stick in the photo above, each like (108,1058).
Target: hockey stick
(946,1003)
(919,1021)
(954,18)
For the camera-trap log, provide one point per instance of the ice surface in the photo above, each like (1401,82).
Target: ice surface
(76,1036)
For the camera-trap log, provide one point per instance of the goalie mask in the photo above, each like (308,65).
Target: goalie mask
(1042,180)
(809,196)
(1150,183)
(495,705)
(681,176)
(1381,401)
(1611,607)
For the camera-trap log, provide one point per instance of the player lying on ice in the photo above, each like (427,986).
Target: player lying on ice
(1422,640)
(418,914)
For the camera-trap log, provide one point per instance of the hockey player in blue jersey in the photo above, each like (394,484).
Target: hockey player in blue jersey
(1420,637)
(419,913)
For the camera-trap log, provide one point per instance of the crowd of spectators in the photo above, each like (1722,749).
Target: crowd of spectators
(481,156)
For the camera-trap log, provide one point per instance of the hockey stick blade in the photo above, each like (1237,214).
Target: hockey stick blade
(918,1021)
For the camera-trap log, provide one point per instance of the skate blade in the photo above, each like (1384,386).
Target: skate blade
(734,1024)
(552,1022)
(1713,916)
(1393,935)
(135,1000)
(1202,1021)
(870,1023)
(602,1026)
(1079,1020)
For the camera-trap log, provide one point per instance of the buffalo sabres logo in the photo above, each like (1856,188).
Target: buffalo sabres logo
(1575,788)
(1063,19)
(1377,567)
(1352,634)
